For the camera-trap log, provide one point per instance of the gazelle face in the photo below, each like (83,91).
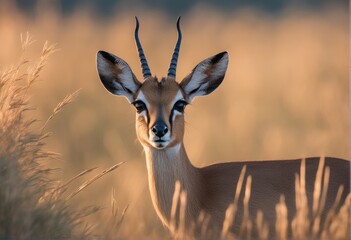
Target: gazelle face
(160,107)
(160,104)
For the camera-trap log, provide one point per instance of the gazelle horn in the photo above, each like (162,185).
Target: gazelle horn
(144,66)
(173,66)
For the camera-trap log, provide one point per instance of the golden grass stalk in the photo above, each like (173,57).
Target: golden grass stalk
(231,210)
(318,204)
(78,176)
(178,227)
(203,223)
(316,207)
(114,205)
(124,211)
(300,223)
(325,189)
(63,187)
(182,211)
(117,221)
(246,225)
(175,200)
(262,226)
(282,223)
(90,181)
(318,188)
(26,41)
(45,54)
(67,100)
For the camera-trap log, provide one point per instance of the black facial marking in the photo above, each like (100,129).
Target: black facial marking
(140,106)
(170,120)
(178,106)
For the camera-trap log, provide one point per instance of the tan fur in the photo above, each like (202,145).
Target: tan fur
(165,167)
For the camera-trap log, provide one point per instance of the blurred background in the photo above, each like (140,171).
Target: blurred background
(285,95)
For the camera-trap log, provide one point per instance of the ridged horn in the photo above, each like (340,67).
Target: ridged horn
(144,66)
(173,66)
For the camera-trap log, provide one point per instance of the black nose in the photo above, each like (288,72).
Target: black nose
(160,129)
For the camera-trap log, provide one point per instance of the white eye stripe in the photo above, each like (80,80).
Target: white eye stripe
(175,114)
(179,96)
(143,113)
(141,97)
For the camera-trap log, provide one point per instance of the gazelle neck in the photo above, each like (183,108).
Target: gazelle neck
(165,167)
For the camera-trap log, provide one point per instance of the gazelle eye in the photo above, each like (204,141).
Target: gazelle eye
(180,106)
(139,105)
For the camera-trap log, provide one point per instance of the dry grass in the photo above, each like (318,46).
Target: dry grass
(285,94)
(92,180)
(67,100)
(282,223)
(231,210)
(33,205)
(304,225)
(28,209)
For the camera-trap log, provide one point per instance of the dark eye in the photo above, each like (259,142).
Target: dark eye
(140,106)
(180,106)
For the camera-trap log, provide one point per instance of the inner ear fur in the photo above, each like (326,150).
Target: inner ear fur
(206,76)
(116,75)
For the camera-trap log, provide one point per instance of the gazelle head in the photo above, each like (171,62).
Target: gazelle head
(160,103)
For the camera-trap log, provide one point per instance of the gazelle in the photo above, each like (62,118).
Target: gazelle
(160,106)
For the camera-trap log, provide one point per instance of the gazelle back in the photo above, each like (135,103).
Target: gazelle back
(160,105)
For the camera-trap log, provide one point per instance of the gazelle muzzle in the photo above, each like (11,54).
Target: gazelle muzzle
(159,129)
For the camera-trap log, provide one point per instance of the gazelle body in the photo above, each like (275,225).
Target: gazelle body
(160,129)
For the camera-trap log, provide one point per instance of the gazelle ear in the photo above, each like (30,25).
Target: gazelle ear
(116,75)
(206,76)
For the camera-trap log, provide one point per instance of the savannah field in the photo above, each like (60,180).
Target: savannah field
(285,95)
